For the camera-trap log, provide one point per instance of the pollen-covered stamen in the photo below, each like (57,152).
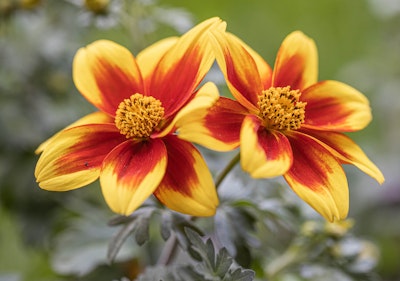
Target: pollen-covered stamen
(281,109)
(138,116)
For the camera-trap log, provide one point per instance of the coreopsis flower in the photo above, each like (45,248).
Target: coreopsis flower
(130,144)
(287,123)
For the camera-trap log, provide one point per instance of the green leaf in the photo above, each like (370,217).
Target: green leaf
(166,225)
(214,267)
(241,275)
(223,262)
(142,231)
(137,223)
(119,239)
(118,220)
(197,249)
(178,223)
(210,252)
(189,274)
(82,246)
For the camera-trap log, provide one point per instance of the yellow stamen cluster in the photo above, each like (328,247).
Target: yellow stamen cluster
(281,109)
(138,116)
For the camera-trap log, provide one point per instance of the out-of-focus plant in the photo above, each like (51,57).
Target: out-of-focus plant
(37,43)
(259,232)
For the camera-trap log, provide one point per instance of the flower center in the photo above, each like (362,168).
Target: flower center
(281,109)
(138,116)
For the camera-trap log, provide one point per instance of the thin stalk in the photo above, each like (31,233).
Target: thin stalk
(169,251)
(227,169)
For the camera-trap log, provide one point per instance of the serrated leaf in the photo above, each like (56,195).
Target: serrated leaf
(223,262)
(138,223)
(188,274)
(194,253)
(119,239)
(210,253)
(197,248)
(166,225)
(211,267)
(194,237)
(142,231)
(179,224)
(118,220)
(242,275)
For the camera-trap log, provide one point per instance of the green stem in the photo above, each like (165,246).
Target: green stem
(227,169)
(292,256)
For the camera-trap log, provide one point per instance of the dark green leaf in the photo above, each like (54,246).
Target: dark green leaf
(166,225)
(223,262)
(82,246)
(241,275)
(197,248)
(138,224)
(119,239)
(189,274)
(118,220)
(142,231)
(178,225)
(213,267)
(210,252)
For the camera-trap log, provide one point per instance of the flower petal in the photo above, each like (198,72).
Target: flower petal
(187,186)
(264,153)
(317,177)
(193,111)
(200,122)
(335,106)
(106,73)
(131,173)
(348,152)
(150,57)
(74,157)
(296,63)
(219,129)
(239,68)
(92,118)
(182,67)
(263,67)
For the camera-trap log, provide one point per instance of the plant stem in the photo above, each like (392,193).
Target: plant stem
(290,257)
(226,170)
(169,251)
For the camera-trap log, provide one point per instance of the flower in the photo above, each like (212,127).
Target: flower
(287,123)
(130,144)
(97,6)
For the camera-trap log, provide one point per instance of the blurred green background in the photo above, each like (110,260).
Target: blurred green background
(358,43)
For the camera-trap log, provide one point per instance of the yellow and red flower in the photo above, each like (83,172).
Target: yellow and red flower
(287,123)
(131,142)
